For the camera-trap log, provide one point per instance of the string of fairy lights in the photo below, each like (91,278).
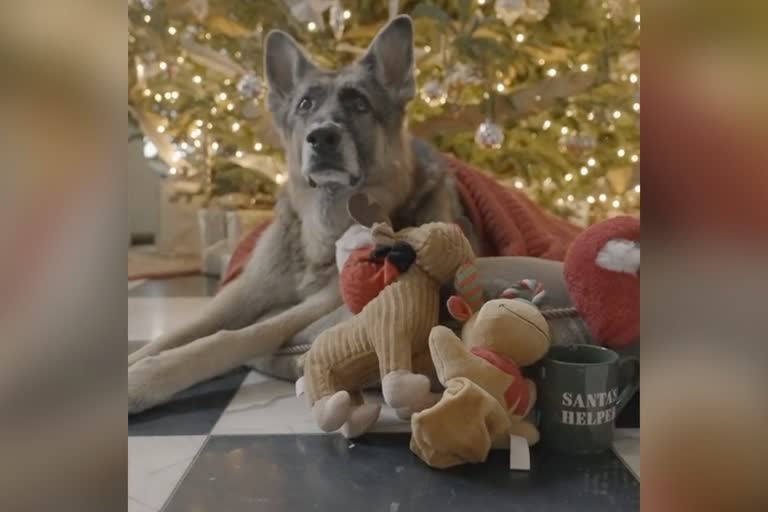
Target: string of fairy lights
(197,94)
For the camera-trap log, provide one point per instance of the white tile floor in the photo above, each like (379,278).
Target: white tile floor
(262,405)
(155,466)
(150,317)
(135,283)
(626,444)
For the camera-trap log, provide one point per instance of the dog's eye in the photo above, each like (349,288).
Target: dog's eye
(359,104)
(305,105)
(354,101)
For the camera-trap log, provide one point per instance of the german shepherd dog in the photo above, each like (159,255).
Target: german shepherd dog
(343,132)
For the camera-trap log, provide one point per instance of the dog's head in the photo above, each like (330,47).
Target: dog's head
(340,127)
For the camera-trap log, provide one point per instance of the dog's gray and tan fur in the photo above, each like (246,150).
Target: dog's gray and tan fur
(343,132)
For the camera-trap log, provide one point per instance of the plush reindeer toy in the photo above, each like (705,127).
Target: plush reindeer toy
(391,328)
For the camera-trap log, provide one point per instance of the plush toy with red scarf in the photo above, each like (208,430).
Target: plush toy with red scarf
(486,398)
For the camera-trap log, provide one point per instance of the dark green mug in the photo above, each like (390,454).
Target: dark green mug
(579,396)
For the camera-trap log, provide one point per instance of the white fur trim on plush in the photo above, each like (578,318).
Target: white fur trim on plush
(620,256)
(355,237)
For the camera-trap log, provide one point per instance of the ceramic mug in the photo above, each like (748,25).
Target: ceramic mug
(579,396)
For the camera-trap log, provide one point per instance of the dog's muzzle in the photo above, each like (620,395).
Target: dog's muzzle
(331,178)
(330,158)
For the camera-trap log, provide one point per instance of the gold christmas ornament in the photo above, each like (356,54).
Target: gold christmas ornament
(619,178)
(227,26)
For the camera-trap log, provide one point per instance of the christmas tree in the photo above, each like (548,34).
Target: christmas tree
(544,94)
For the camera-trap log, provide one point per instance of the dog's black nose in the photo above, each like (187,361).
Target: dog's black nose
(324,140)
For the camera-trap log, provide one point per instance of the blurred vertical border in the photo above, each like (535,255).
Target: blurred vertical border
(63,426)
(704,133)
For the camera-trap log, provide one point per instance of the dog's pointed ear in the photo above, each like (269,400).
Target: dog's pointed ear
(284,65)
(390,58)
(366,211)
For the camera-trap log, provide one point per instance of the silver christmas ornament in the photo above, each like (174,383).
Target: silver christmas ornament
(250,86)
(148,4)
(489,135)
(461,75)
(577,144)
(198,8)
(509,11)
(309,10)
(433,93)
(536,10)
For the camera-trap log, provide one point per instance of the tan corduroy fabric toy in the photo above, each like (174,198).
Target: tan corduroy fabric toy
(386,338)
(486,398)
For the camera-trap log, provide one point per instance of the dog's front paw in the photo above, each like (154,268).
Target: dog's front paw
(135,357)
(144,390)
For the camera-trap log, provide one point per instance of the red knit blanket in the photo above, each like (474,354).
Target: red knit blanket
(506,220)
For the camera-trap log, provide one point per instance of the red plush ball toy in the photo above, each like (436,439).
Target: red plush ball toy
(602,273)
(363,277)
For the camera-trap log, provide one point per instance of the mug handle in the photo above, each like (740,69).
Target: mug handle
(632,386)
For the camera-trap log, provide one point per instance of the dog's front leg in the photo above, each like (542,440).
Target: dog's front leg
(155,379)
(253,294)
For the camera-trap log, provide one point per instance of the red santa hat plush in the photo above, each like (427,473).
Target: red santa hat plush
(602,273)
